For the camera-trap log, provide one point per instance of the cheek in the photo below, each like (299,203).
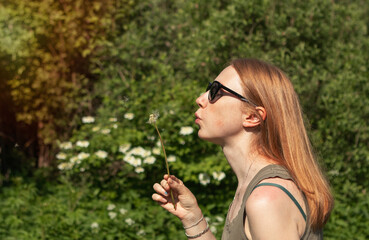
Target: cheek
(219,123)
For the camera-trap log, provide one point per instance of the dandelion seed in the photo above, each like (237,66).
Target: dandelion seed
(82,144)
(129,116)
(88,119)
(186,130)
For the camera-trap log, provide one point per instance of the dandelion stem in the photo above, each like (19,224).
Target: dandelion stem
(166,162)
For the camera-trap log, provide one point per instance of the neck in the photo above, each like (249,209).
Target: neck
(244,162)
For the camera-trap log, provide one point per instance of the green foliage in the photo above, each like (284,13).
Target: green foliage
(52,45)
(161,60)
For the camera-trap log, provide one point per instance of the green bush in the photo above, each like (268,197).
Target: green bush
(161,61)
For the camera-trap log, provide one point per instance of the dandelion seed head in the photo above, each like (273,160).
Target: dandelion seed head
(153,117)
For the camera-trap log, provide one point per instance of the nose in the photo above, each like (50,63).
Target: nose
(202,100)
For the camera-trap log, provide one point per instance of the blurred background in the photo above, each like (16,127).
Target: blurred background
(79,79)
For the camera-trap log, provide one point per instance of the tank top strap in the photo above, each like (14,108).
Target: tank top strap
(269,171)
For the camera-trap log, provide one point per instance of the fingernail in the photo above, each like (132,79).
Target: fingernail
(166,193)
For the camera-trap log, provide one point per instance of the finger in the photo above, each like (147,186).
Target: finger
(159,189)
(165,185)
(177,185)
(158,198)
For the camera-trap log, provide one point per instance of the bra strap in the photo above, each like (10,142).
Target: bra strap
(287,192)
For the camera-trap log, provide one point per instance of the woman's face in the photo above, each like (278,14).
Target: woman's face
(221,121)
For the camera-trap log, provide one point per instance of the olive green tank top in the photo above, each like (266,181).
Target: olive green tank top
(235,230)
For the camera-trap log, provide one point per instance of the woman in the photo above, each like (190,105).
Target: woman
(252,111)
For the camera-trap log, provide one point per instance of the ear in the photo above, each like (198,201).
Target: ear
(253,119)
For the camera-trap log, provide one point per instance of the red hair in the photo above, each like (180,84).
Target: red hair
(282,136)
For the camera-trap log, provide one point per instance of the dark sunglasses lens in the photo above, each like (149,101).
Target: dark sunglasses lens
(214,88)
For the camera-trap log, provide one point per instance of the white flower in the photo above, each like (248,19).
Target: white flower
(82,169)
(171,158)
(129,116)
(186,130)
(65,166)
(94,225)
(83,155)
(95,129)
(156,151)
(149,160)
(219,218)
(101,154)
(124,147)
(123,211)
(141,232)
(139,151)
(213,229)
(158,143)
(66,145)
(129,221)
(113,119)
(151,138)
(110,207)
(75,160)
(88,119)
(115,126)
(105,131)
(112,215)
(132,160)
(61,156)
(204,179)
(82,144)
(219,176)
(139,170)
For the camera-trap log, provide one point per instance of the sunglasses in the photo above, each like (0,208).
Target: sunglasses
(214,94)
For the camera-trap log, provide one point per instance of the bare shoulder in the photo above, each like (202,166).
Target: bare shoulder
(271,214)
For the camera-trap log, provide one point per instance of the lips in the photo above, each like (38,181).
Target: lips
(197,118)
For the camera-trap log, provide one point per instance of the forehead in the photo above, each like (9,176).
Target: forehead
(229,78)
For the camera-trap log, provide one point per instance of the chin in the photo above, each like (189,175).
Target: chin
(203,136)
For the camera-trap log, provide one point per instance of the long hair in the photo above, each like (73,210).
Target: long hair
(282,136)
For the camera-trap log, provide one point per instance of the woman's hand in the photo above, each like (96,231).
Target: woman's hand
(187,209)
